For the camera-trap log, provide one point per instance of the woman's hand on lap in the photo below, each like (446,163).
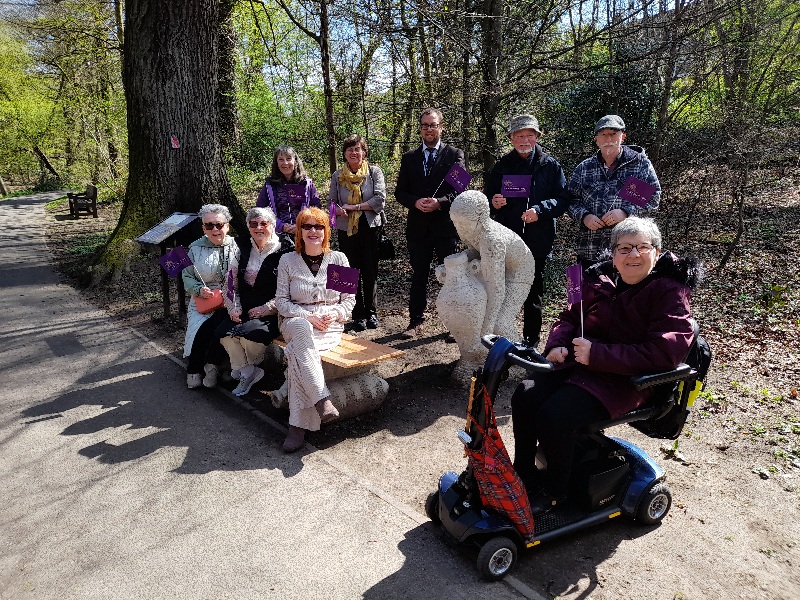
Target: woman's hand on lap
(236,317)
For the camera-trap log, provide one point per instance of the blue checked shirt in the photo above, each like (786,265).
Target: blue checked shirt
(596,190)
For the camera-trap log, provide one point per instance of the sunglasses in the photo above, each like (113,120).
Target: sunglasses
(254,224)
(310,226)
(210,226)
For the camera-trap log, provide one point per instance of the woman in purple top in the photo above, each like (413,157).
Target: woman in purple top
(636,320)
(286,203)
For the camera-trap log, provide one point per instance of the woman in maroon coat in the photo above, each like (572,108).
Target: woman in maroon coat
(636,320)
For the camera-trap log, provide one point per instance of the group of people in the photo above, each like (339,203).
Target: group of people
(636,299)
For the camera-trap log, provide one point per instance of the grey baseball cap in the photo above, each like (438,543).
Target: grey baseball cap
(523,122)
(610,122)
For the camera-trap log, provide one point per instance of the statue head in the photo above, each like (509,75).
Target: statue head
(469,212)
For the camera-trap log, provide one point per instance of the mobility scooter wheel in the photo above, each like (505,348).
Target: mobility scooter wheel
(496,558)
(654,505)
(432,507)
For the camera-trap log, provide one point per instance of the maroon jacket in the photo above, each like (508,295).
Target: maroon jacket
(645,328)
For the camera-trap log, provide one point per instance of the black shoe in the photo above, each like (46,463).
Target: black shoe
(542,502)
(356,326)
(372,322)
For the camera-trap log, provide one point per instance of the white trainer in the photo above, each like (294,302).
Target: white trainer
(248,382)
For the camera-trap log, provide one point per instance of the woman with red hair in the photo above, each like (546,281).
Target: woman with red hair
(312,319)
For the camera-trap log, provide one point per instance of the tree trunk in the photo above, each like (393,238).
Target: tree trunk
(491,53)
(325,54)
(3,188)
(172,52)
(45,162)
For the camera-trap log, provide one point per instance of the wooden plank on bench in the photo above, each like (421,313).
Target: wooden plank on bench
(354,351)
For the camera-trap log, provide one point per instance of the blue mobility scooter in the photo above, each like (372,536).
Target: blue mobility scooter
(611,476)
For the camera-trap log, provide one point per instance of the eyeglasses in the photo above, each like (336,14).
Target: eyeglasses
(642,249)
(310,226)
(425,126)
(355,150)
(254,224)
(210,226)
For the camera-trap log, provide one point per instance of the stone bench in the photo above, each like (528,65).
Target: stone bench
(354,390)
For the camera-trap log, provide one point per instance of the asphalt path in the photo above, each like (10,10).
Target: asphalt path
(117,482)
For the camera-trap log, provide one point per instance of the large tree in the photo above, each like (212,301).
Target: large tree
(171,72)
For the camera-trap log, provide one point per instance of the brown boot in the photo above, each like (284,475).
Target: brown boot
(295,440)
(327,411)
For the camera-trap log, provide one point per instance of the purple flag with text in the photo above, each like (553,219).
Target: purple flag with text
(295,193)
(574,284)
(175,261)
(342,279)
(516,186)
(458,177)
(332,211)
(636,191)
(231,291)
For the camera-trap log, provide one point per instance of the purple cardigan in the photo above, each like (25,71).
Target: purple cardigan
(645,328)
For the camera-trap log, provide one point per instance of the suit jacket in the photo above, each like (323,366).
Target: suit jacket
(413,184)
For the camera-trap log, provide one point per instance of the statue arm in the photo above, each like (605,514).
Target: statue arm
(493,272)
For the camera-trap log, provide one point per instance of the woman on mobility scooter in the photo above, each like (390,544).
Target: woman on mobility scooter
(636,319)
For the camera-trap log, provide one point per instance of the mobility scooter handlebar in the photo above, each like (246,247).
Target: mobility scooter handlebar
(521,355)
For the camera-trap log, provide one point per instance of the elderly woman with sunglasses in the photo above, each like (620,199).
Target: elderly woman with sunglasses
(636,320)
(311,320)
(211,256)
(252,321)
(287,168)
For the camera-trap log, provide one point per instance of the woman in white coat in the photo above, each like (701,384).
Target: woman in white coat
(312,319)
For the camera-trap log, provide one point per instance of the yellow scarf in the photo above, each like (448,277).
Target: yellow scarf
(352,182)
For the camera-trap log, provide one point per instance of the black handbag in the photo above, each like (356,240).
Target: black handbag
(385,246)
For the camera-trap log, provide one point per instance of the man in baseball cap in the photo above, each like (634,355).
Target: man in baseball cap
(527,192)
(596,184)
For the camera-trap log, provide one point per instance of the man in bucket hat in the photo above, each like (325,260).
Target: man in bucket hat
(596,184)
(528,202)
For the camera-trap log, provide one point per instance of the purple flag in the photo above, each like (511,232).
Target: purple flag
(458,177)
(175,261)
(231,292)
(342,279)
(332,211)
(574,284)
(516,186)
(296,193)
(636,191)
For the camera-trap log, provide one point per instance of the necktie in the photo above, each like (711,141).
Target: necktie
(429,160)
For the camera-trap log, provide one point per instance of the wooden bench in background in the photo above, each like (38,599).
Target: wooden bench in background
(354,390)
(83,202)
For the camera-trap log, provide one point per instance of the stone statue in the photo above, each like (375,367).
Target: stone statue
(505,270)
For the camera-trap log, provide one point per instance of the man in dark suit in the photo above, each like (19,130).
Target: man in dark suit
(422,190)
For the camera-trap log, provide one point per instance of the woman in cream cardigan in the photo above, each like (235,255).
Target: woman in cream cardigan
(312,320)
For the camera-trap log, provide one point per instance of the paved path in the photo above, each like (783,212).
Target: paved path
(118,482)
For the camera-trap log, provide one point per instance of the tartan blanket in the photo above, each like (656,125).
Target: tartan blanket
(500,487)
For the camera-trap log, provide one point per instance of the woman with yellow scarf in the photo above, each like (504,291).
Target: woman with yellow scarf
(358,190)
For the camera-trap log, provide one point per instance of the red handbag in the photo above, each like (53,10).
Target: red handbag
(209,305)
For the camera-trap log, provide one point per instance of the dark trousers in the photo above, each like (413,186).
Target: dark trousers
(361,250)
(421,249)
(532,308)
(547,413)
(206,347)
